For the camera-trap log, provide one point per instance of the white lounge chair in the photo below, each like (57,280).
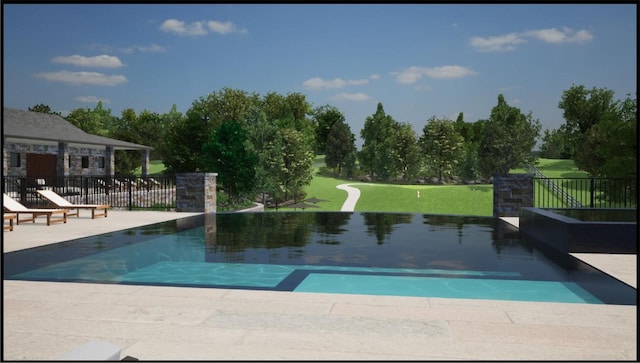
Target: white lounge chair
(60,202)
(13,206)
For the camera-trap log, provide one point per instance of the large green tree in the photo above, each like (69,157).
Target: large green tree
(340,147)
(377,154)
(584,109)
(325,117)
(508,140)
(265,141)
(184,138)
(442,147)
(225,153)
(407,152)
(613,143)
(555,144)
(297,166)
(96,121)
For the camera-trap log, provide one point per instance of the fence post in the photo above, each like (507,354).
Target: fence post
(591,195)
(129,189)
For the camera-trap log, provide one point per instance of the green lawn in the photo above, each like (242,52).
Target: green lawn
(475,200)
(155,167)
(556,168)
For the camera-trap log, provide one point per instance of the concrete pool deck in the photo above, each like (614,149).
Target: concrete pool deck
(44,320)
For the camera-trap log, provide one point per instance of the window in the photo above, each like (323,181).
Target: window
(85,162)
(101,162)
(14,160)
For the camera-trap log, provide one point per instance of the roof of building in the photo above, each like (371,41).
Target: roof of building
(42,128)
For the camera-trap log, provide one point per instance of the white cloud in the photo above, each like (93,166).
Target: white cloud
(501,43)
(509,42)
(92,99)
(91,78)
(179,27)
(413,74)
(350,97)
(566,35)
(153,48)
(199,27)
(318,83)
(100,61)
(224,28)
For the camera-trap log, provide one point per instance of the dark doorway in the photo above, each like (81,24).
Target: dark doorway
(41,166)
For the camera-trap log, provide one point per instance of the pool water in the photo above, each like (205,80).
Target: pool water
(329,252)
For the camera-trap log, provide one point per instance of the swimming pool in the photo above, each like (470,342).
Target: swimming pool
(330,252)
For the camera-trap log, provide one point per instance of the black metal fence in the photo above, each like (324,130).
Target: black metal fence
(585,192)
(156,193)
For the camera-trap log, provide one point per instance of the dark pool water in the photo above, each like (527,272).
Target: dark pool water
(330,252)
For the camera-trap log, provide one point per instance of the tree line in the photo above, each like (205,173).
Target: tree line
(265,145)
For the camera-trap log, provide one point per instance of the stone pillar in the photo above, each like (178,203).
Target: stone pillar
(145,163)
(196,192)
(109,162)
(510,193)
(62,161)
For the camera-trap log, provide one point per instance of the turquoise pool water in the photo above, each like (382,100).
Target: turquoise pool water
(328,252)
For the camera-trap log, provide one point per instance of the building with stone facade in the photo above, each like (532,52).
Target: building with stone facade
(40,145)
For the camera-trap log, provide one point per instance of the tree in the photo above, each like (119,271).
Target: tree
(184,138)
(42,108)
(508,140)
(228,104)
(614,142)
(407,152)
(340,146)
(225,153)
(265,141)
(582,110)
(442,146)
(325,117)
(555,144)
(123,128)
(96,121)
(376,156)
(297,167)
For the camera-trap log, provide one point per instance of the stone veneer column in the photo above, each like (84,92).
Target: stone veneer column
(62,161)
(510,193)
(196,192)
(109,162)
(145,163)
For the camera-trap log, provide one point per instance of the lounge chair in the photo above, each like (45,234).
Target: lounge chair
(53,215)
(10,218)
(60,202)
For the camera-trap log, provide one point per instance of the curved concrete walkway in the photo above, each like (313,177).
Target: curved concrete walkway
(353,194)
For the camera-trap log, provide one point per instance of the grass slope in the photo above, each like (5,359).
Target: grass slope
(475,200)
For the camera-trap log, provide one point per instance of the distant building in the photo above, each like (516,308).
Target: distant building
(40,145)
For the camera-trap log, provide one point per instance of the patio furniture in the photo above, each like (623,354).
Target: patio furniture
(53,215)
(61,202)
(10,218)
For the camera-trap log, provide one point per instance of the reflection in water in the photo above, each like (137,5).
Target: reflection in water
(363,239)
(382,224)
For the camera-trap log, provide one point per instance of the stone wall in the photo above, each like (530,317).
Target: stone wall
(73,159)
(196,192)
(510,193)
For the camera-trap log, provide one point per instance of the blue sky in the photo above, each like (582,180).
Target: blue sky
(419,60)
